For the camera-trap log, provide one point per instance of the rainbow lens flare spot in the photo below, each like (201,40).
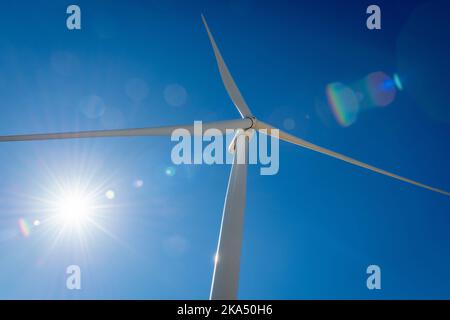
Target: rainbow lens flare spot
(343,102)
(24,227)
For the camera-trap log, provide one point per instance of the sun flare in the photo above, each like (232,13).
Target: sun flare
(74,209)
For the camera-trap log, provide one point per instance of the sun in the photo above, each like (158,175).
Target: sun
(74,209)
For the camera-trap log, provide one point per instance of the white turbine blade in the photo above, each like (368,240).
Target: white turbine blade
(227,79)
(302,143)
(156,131)
(227,262)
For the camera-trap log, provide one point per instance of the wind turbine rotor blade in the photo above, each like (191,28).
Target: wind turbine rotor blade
(227,261)
(222,126)
(305,144)
(227,79)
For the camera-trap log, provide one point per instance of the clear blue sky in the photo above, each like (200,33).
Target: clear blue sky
(310,231)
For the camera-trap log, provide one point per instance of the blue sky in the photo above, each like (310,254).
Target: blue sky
(310,231)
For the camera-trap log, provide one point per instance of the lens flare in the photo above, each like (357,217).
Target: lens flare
(175,95)
(380,88)
(110,194)
(139,183)
(170,171)
(422,58)
(289,123)
(343,102)
(24,227)
(375,90)
(398,82)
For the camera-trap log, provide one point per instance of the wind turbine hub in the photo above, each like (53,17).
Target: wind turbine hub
(241,134)
(253,120)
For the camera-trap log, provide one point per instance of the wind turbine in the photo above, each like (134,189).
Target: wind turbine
(227,262)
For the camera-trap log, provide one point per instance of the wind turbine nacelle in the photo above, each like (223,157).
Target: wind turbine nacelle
(240,132)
